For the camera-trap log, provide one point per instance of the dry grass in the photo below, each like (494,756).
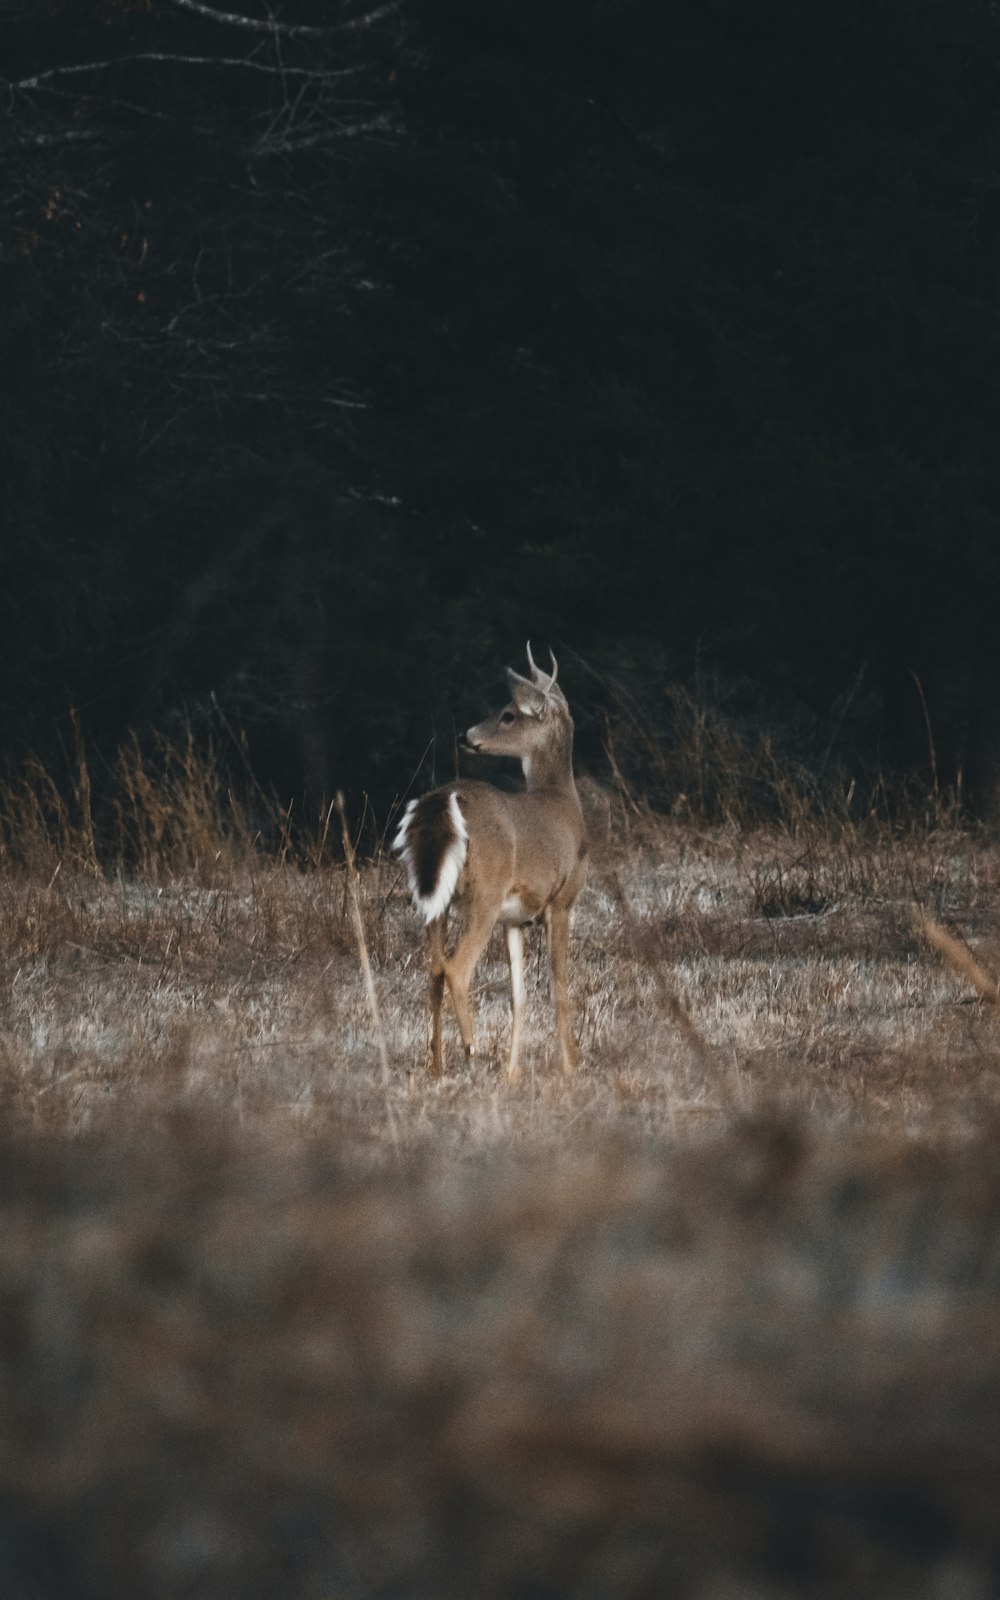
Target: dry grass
(716,973)
(719,1317)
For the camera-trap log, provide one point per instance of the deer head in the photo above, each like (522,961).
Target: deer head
(535,726)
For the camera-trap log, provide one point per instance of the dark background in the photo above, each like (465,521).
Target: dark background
(343,346)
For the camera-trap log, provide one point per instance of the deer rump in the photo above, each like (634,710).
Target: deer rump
(469,839)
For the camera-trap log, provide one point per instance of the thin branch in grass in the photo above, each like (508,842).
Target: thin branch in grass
(84,795)
(316,848)
(958,956)
(366,966)
(674,1006)
(621,783)
(931,750)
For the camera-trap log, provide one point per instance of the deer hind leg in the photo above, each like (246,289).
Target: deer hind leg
(557,928)
(459,969)
(435,938)
(515,958)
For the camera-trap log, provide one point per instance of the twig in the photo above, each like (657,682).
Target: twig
(931,751)
(958,955)
(366,966)
(672,1002)
(174,60)
(290,30)
(231,19)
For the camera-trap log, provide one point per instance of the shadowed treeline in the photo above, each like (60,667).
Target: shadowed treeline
(343,351)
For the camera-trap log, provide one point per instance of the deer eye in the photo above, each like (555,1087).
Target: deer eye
(506,718)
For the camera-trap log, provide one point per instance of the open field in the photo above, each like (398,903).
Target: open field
(718,1317)
(714,974)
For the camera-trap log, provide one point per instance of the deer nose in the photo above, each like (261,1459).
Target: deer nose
(472,738)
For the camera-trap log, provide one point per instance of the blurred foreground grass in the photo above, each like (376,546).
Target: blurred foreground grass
(763,1364)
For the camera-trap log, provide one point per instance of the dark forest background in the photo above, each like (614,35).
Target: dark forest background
(344,346)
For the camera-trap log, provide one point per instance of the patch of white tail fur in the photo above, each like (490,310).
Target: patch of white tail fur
(399,843)
(449,868)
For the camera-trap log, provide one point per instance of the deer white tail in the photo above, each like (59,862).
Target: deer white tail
(433,842)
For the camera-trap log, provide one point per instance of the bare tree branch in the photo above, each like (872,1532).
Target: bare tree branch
(40,78)
(291,30)
(45,141)
(374,16)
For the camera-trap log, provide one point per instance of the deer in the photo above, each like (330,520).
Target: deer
(516,859)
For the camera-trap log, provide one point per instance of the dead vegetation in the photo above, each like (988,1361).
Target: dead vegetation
(704,990)
(718,1317)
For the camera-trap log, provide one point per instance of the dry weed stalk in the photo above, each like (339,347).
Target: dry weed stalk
(672,1003)
(958,956)
(366,966)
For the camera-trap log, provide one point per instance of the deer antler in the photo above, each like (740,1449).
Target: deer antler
(543,680)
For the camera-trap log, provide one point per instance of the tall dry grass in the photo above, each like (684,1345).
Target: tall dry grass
(173,939)
(687,756)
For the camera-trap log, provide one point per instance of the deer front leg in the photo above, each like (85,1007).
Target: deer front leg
(515,959)
(557,928)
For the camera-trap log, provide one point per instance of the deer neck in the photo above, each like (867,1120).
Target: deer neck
(551,769)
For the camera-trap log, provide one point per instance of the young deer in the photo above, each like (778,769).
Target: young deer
(510,858)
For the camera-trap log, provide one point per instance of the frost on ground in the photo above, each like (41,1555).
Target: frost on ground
(713,974)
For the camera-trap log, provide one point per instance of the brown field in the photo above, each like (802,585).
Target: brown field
(281,1315)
